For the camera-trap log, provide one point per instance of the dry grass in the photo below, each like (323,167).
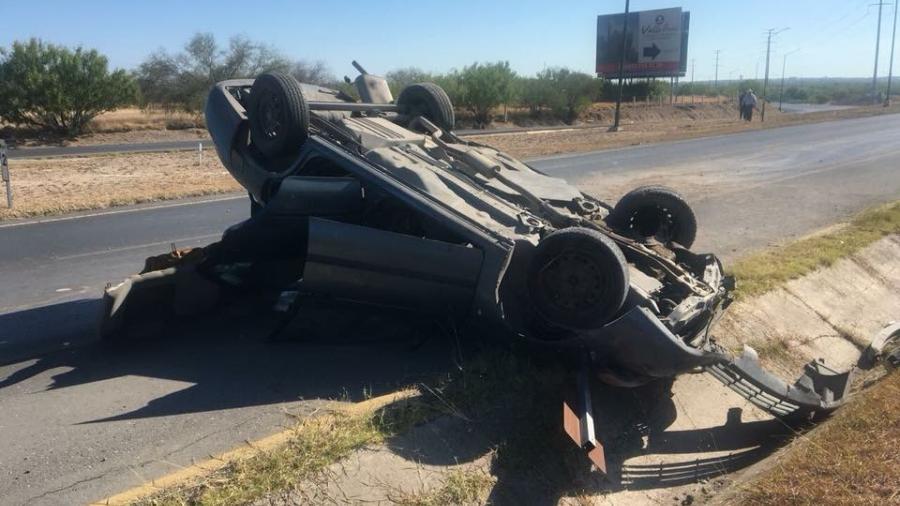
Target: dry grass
(62,185)
(128,119)
(317,442)
(851,459)
(765,271)
(494,381)
(461,487)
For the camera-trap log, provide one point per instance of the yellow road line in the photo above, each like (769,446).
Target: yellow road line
(213,464)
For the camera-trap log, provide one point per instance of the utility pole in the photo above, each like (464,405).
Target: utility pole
(887,98)
(615,127)
(783,67)
(772,32)
(693,71)
(716,85)
(877,44)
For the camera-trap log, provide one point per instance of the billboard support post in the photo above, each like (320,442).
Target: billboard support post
(615,127)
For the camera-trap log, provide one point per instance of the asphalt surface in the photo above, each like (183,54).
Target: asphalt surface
(81,421)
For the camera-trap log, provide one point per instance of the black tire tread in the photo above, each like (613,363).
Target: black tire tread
(655,193)
(442,106)
(609,247)
(298,115)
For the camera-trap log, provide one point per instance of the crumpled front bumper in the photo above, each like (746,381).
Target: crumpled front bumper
(637,348)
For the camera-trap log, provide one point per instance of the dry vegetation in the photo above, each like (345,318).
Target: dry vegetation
(131,118)
(53,186)
(851,459)
(127,125)
(461,487)
(762,272)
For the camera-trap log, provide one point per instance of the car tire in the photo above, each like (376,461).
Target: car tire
(577,279)
(655,212)
(429,101)
(278,114)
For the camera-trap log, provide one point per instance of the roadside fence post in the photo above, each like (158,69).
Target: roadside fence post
(200,152)
(4,173)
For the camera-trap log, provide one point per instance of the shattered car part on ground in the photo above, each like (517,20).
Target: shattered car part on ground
(378,203)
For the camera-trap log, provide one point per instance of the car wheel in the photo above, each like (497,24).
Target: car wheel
(655,212)
(429,101)
(578,279)
(278,114)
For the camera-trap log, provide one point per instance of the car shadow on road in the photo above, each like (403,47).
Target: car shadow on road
(228,358)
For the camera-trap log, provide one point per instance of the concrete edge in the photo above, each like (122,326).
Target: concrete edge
(215,463)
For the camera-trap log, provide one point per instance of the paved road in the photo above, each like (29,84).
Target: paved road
(80,421)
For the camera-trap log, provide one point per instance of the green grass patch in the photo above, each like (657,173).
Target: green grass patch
(761,273)
(850,459)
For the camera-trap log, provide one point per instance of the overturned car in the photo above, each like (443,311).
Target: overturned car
(378,202)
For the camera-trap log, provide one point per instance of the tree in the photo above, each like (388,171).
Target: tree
(485,86)
(536,93)
(316,72)
(574,92)
(401,78)
(183,80)
(59,89)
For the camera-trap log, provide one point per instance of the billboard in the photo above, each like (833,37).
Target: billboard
(655,44)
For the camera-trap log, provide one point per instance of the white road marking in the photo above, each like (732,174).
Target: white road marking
(63,290)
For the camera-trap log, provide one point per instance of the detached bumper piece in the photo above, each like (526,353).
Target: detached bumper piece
(819,390)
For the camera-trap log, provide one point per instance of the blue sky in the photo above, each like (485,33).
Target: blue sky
(833,37)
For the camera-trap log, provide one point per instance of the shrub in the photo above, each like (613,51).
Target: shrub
(59,89)
(482,87)
(183,80)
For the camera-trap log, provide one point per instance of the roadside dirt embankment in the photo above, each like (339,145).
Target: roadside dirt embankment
(830,314)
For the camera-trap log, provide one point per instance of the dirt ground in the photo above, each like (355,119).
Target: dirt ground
(62,185)
(122,126)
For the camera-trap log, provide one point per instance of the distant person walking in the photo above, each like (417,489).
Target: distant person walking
(748,103)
